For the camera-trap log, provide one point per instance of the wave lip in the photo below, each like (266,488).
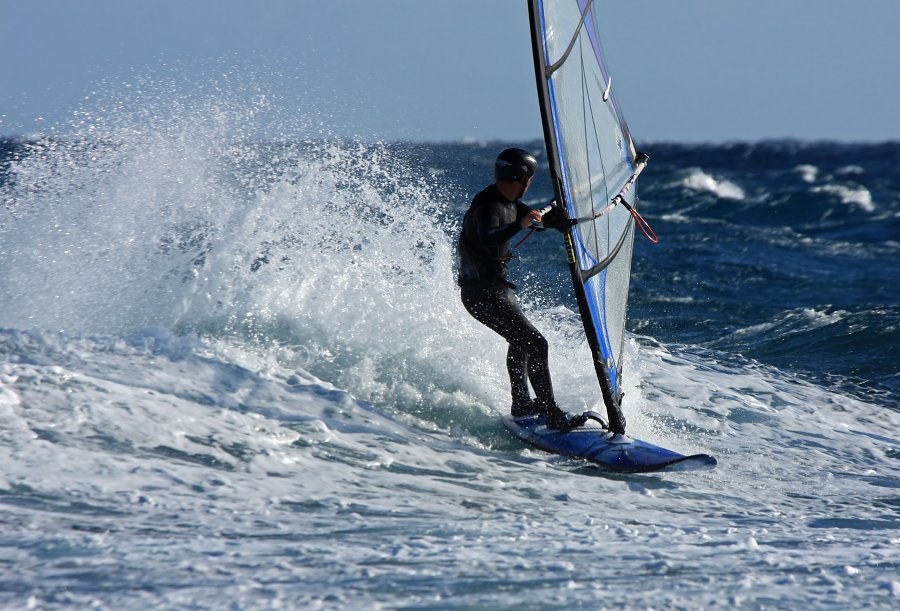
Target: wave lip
(698,180)
(853,196)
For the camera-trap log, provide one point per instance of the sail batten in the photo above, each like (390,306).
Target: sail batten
(553,67)
(594,168)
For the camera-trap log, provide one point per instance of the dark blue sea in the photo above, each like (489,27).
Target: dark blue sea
(235,373)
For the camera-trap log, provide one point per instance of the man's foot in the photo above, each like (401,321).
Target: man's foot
(559,420)
(528,408)
(563,423)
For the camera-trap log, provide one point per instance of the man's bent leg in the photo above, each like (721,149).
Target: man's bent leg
(498,309)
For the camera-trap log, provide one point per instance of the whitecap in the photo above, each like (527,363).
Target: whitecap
(820,318)
(850,169)
(699,180)
(808,173)
(859,196)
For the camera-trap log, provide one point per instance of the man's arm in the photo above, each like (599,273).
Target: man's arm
(490,231)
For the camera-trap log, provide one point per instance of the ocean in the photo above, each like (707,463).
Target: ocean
(235,374)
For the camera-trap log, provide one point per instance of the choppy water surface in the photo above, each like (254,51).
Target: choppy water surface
(237,375)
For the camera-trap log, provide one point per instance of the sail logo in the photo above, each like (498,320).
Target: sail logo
(570,248)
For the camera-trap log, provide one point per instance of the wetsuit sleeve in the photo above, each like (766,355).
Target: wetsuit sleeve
(488,228)
(521,210)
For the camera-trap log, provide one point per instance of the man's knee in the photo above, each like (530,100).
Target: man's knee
(516,353)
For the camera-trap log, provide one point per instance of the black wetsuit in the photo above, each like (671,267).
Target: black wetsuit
(489,225)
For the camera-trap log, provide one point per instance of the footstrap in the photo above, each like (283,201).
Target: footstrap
(595,416)
(564,425)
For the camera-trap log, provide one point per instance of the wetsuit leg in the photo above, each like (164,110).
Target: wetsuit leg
(517,367)
(498,309)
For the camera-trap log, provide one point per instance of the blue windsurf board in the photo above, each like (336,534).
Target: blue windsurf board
(595,443)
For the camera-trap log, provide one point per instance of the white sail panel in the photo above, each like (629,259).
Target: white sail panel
(592,159)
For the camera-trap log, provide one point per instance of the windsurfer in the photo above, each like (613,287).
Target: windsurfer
(495,215)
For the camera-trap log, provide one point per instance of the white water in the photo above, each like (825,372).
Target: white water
(701,181)
(181,431)
(166,471)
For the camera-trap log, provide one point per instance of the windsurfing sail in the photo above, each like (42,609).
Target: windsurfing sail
(594,169)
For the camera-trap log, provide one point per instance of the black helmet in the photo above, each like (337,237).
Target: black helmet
(514,164)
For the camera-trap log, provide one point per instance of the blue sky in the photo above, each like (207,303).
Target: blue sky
(686,70)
